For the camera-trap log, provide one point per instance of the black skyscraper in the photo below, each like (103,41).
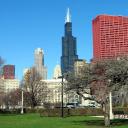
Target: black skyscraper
(69,51)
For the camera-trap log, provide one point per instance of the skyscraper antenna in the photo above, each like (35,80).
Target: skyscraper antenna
(68,16)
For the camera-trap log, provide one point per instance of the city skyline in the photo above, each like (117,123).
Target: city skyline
(26,25)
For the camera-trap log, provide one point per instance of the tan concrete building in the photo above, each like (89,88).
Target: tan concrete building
(2,85)
(78,66)
(54,90)
(7,85)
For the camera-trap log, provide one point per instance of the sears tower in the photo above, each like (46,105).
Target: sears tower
(69,51)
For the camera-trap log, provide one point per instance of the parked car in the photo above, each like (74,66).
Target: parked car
(72,105)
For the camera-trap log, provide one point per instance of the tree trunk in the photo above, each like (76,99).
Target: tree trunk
(106,120)
(34,104)
(106,115)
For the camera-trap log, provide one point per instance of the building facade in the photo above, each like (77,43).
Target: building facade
(2,88)
(39,63)
(69,48)
(78,66)
(54,88)
(9,72)
(110,36)
(8,85)
(54,95)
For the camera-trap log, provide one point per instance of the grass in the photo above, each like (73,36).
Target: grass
(35,121)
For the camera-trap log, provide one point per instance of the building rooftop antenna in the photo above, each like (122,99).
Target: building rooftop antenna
(68,16)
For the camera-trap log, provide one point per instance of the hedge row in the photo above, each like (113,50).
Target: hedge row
(13,111)
(72,112)
(67,112)
(120,109)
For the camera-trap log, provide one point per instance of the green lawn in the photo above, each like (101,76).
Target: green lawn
(35,121)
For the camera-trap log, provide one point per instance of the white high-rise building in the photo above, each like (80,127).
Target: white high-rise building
(57,72)
(39,63)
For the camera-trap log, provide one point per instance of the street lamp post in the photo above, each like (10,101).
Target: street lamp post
(110,100)
(110,103)
(22,102)
(62,102)
(62,95)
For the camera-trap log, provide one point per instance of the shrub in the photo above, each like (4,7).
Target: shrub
(86,111)
(54,112)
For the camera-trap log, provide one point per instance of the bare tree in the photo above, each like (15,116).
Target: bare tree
(2,96)
(35,89)
(80,82)
(12,99)
(102,78)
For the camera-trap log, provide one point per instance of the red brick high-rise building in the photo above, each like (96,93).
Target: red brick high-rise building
(9,72)
(110,37)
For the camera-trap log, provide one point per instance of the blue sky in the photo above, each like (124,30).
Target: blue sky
(28,24)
